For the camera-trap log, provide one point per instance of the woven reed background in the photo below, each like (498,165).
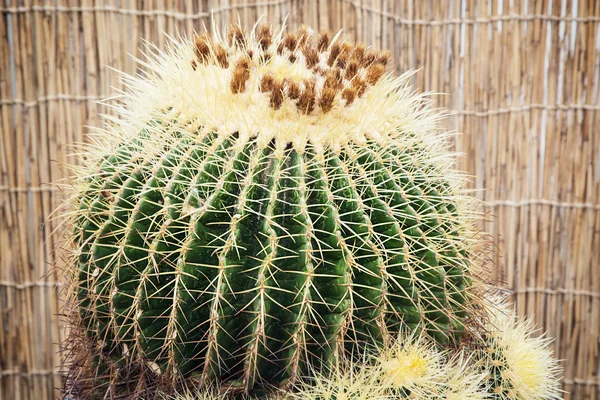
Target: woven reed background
(522,79)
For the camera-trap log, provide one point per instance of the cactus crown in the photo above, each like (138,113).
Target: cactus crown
(295,87)
(263,206)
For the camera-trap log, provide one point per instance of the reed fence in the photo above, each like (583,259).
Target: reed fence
(521,80)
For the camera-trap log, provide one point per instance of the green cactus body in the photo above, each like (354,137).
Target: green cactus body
(222,257)
(249,258)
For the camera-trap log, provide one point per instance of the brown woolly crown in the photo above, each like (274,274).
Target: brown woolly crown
(295,88)
(311,69)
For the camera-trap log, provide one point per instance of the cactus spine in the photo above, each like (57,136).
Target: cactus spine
(266,204)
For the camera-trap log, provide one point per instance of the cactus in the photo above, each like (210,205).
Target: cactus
(517,364)
(267,204)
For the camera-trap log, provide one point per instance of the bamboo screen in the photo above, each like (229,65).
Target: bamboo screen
(522,83)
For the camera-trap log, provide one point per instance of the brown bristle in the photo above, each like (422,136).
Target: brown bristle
(290,41)
(303,35)
(292,58)
(323,42)
(306,102)
(351,69)
(370,57)
(327,97)
(235,36)
(265,57)
(266,83)
(203,47)
(345,53)
(293,90)
(349,95)
(194,65)
(243,62)
(384,57)
(241,74)
(335,51)
(359,53)
(318,70)
(338,74)
(342,60)
(221,56)
(238,81)
(276,98)
(311,56)
(333,79)
(280,48)
(374,72)
(250,53)
(264,36)
(359,86)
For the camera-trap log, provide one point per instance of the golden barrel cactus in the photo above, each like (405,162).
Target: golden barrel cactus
(265,204)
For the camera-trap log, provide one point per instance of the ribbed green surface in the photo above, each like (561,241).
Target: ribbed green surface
(497,384)
(231,261)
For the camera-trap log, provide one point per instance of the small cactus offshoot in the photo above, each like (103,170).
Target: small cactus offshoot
(518,365)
